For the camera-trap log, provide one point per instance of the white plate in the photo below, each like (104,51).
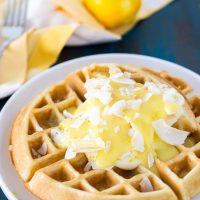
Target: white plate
(9,180)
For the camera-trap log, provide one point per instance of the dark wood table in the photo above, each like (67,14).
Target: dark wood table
(172,34)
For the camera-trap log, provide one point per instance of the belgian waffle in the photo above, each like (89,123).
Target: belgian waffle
(49,176)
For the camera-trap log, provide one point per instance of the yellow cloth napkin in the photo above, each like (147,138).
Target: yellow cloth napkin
(30,54)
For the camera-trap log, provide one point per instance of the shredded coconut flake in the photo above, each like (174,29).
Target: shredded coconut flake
(94,166)
(150,160)
(93,115)
(123,78)
(126,91)
(58,136)
(146,185)
(70,154)
(137,140)
(152,88)
(169,134)
(38,128)
(35,153)
(43,150)
(169,111)
(104,96)
(78,122)
(100,142)
(100,83)
(113,69)
(127,161)
(100,89)
(127,74)
(67,114)
(163,86)
(127,119)
(171,95)
(124,81)
(172,119)
(87,167)
(125,155)
(106,110)
(147,97)
(116,75)
(87,144)
(131,132)
(134,104)
(117,108)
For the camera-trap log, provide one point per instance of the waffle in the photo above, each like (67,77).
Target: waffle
(49,176)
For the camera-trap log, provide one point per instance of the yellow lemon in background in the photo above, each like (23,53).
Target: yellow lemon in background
(113,13)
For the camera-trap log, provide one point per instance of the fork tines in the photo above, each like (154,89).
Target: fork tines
(15,12)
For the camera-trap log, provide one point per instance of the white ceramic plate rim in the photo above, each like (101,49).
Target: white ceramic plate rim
(9,180)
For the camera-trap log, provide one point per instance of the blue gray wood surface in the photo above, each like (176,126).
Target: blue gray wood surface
(172,34)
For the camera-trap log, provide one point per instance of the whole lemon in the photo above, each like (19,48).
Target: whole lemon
(113,13)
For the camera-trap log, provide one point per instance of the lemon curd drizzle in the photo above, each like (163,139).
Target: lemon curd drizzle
(117,124)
